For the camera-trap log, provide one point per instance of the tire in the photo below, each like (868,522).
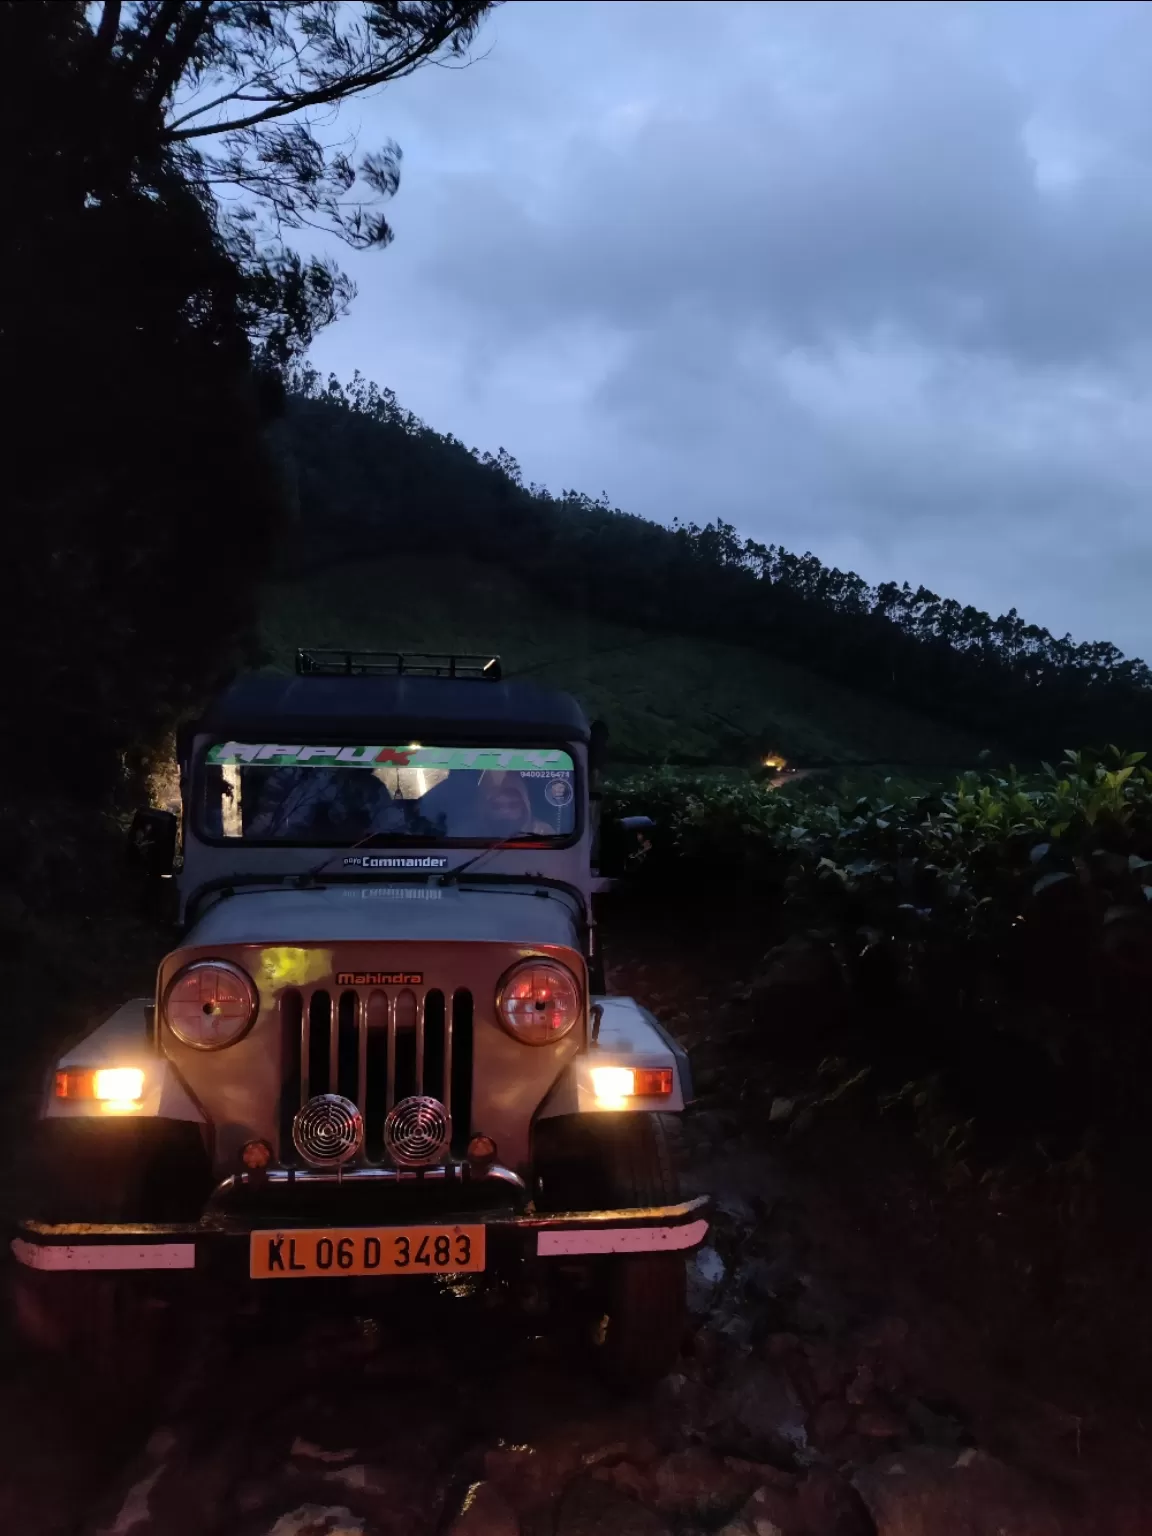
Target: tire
(101,1327)
(107,1326)
(624,1161)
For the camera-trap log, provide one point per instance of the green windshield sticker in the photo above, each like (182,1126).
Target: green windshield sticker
(269,755)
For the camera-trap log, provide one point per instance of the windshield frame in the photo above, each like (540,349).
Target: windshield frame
(195,806)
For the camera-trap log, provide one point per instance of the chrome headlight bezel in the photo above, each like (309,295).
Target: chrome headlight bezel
(236,973)
(537,963)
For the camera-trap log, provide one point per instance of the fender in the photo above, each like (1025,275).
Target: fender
(629,1037)
(125,1040)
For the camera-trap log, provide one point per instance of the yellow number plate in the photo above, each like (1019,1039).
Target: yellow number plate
(366,1251)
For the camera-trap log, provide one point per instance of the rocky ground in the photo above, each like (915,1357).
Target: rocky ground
(821,1391)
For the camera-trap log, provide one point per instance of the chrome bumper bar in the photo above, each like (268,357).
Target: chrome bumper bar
(83,1246)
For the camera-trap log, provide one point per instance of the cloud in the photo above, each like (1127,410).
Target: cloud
(874,280)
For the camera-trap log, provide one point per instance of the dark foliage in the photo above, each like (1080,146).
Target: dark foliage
(140,496)
(982,951)
(373,478)
(144,326)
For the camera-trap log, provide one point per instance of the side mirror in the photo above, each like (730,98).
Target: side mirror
(627,840)
(152,842)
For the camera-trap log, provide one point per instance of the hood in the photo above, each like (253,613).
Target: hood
(500,914)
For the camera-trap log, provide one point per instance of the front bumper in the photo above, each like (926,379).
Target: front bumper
(220,1241)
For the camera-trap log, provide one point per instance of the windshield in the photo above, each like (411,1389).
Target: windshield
(335,796)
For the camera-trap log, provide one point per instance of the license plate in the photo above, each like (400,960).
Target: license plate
(366,1251)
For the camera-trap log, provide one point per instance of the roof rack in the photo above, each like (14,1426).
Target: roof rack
(396,664)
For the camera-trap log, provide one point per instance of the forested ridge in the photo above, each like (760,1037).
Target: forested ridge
(371,478)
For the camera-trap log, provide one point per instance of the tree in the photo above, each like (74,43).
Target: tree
(137,318)
(237,97)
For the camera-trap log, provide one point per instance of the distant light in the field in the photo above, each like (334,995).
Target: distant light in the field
(774,760)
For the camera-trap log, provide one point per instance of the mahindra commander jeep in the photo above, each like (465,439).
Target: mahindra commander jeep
(380,1047)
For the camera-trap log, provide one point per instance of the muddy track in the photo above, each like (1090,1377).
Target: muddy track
(818,1393)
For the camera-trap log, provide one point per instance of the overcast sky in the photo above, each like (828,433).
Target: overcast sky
(872,280)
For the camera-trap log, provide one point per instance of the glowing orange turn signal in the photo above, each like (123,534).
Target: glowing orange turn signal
(122,1085)
(615,1084)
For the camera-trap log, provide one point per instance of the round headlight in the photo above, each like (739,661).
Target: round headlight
(538,1001)
(210,1004)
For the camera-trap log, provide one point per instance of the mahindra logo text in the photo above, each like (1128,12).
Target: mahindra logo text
(379,978)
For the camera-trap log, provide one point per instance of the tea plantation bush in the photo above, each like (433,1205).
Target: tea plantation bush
(982,950)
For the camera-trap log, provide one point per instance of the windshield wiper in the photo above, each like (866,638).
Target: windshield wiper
(451,876)
(310,875)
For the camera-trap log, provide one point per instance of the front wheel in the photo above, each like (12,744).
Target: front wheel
(624,1161)
(106,1323)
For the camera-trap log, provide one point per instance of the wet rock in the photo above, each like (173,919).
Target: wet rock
(826,1368)
(769,1512)
(862,1386)
(830,1506)
(739,1208)
(592,1508)
(698,1482)
(398,1497)
(762,1401)
(764,1474)
(740,1527)
(639,1448)
(136,1509)
(887,1333)
(829,1423)
(705,1274)
(365,1479)
(713,1353)
(685,1399)
(484,1512)
(939,1429)
(257,1493)
(320,1520)
(627,1478)
(925,1492)
(710,1266)
(819,1309)
(762,1279)
(306,1451)
(782,1346)
(879,1423)
(529,1475)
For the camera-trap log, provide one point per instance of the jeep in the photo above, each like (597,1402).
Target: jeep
(381,1046)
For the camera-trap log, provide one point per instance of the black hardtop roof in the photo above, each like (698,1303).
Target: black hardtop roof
(273,706)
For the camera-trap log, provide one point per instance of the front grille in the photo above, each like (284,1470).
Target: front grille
(376,1047)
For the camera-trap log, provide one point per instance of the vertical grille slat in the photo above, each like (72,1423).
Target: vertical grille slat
(449,1034)
(420,1088)
(376,1048)
(346,1047)
(435,1031)
(362,1054)
(376,1066)
(319,1053)
(292,1088)
(390,1089)
(460,1082)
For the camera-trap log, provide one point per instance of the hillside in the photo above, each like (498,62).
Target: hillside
(666,697)
(368,478)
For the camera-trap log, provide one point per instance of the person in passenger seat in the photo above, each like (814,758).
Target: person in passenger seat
(504,808)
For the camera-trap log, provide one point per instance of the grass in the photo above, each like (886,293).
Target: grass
(666,697)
